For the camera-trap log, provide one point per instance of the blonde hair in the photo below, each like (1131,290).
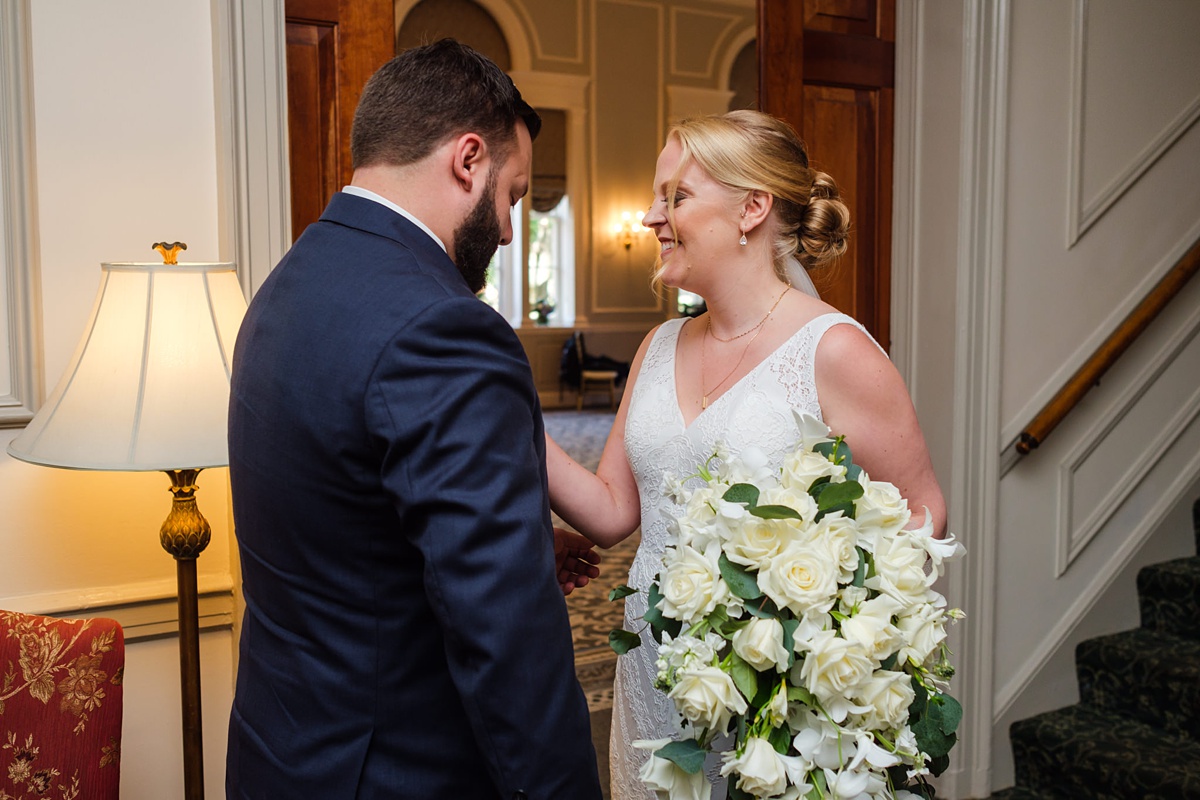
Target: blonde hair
(749,151)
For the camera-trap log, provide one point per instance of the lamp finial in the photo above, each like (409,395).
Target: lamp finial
(169,251)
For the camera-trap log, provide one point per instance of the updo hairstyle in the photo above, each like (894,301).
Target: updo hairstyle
(751,151)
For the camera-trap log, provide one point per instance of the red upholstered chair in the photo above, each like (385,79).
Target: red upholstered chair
(60,707)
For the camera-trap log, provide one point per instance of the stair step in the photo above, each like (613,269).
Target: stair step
(1082,753)
(1146,675)
(1169,596)
(1022,793)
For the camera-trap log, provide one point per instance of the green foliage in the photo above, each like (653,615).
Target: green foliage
(832,497)
(740,581)
(745,677)
(741,493)
(622,641)
(620,592)
(654,616)
(687,754)
(775,512)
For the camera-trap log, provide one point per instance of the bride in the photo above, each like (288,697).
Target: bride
(740,217)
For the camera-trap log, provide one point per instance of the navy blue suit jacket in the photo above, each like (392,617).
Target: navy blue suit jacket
(404,635)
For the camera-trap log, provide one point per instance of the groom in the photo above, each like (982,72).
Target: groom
(404,635)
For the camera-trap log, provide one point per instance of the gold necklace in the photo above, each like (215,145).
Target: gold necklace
(757,329)
(761,322)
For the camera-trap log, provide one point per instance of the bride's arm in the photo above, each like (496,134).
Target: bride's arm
(864,399)
(603,507)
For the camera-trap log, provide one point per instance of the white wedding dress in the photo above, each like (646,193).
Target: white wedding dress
(757,410)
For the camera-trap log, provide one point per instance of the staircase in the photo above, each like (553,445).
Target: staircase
(1135,732)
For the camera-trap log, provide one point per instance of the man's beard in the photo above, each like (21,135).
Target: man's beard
(476,239)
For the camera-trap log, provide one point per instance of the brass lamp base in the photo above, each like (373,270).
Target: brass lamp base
(184,534)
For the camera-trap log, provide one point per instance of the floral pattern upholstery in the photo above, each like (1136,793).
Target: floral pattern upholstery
(60,707)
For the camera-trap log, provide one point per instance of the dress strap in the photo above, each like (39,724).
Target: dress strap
(818,326)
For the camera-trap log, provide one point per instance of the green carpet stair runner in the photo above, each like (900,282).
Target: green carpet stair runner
(1135,733)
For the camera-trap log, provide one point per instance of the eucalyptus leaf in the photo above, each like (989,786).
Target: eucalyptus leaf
(836,494)
(775,512)
(789,638)
(654,616)
(745,677)
(950,712)
(687,754)
(860,572)
(622,641)
(621,591)
(930,738)
(937,766)
(847,510)
(799,693)
(739,580)
(780,738)
(853,472)
(741,493)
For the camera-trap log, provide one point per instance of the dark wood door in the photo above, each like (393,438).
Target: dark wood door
(828,68)
(333,46)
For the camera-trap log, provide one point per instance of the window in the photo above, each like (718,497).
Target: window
(531,281)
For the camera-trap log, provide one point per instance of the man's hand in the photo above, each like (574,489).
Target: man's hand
(576,558)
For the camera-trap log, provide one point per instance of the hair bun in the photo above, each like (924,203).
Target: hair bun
(825,225)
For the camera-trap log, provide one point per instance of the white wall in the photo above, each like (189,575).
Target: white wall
(124,135)
(1052,187)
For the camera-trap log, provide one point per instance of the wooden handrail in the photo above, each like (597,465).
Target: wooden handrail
(1107,353)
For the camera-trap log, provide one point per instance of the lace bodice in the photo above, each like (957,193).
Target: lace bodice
(756,410)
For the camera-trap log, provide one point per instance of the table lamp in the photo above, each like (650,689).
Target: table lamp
(148,389)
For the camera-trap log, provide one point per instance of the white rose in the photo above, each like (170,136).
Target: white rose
(708,697)
(888,695)
(900,570)
(871,626)
(923,632)
(802,578)
(691,583)
(760,644)
(756,542)
(881,506)
(833,670)
(798,500)
(665,778)
(759,770)
(839,535)
(802,467)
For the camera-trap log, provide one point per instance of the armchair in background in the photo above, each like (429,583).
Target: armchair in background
(587,373)
(60,707)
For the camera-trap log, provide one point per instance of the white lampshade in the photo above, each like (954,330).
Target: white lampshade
(148,386)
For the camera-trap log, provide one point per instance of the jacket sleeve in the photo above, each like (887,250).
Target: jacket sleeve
(455,414)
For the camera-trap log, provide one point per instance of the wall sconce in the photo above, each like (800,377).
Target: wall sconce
(626,229)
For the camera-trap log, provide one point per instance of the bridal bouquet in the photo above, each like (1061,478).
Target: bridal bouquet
(796,615)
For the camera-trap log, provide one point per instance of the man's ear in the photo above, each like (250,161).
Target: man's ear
(470,156)
(755,209)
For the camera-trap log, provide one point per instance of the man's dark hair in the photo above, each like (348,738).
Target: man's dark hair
(432,93)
